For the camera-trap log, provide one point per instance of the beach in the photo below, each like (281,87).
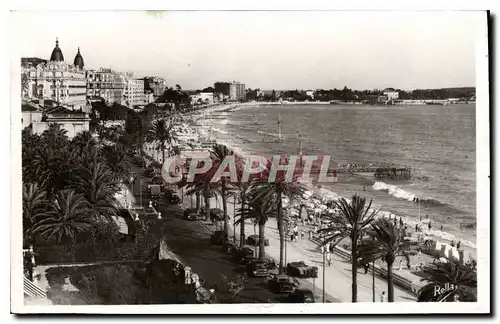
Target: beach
(441,184)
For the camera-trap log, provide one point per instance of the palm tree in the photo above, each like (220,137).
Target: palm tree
(353,219)
(386,243)
(219,153)
(243,188)
(66,217)
(272,193)
(117,161)
(52,165)
(55,134)
(95,182)
(451,276)
(204,187)
(259,212)
(33,201)
(162,133)
(82,141)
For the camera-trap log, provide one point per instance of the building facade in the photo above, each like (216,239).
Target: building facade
(391,94)
(57,80)
(155,85)
(134,92)
(106,84)
(73,122)
(237,91)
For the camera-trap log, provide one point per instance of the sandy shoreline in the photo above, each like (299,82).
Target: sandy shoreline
(237,142)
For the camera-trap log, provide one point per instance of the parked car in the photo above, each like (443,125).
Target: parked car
(282,284)
(242,255)
(155,191)
(254,240)
(260,267)
(192,216)
(301,296)
(301,270)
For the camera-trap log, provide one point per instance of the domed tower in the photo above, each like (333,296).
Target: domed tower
(78,62)
(57,55)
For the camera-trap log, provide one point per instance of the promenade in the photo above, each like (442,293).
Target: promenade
(338,275)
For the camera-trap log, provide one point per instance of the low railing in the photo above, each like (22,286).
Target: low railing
(33,290)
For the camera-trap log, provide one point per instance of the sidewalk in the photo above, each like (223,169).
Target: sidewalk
(338,275)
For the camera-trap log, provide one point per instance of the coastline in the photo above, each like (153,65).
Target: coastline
(211,130)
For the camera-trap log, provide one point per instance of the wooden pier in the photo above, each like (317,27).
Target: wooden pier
(393,173)
(379,172)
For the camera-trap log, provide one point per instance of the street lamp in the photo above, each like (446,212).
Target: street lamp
(323,251)
(373,278)
(234,218)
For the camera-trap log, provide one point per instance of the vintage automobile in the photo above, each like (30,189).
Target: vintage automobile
(301,270)
(218,238)
(257,268)
(171,197)
(301,296)
(254,240)
(154,191)
(191,214)
(260,267)
(242,255)
(282,283)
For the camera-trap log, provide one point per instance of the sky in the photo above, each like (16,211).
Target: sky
(264,49)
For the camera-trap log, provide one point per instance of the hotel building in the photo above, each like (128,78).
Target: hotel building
(106,84)
(235,90)
(56,80)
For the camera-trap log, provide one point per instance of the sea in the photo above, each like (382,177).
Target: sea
(438,142)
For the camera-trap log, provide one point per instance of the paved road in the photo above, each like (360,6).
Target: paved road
(338,275)
(190,241)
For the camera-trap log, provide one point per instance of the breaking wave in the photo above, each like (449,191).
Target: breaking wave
(397,192)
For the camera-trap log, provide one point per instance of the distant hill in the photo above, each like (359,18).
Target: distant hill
(461,89)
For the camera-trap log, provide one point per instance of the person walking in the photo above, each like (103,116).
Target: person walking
(458,245)
(367,267)
(400,265)
(452,243)
(383,297)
